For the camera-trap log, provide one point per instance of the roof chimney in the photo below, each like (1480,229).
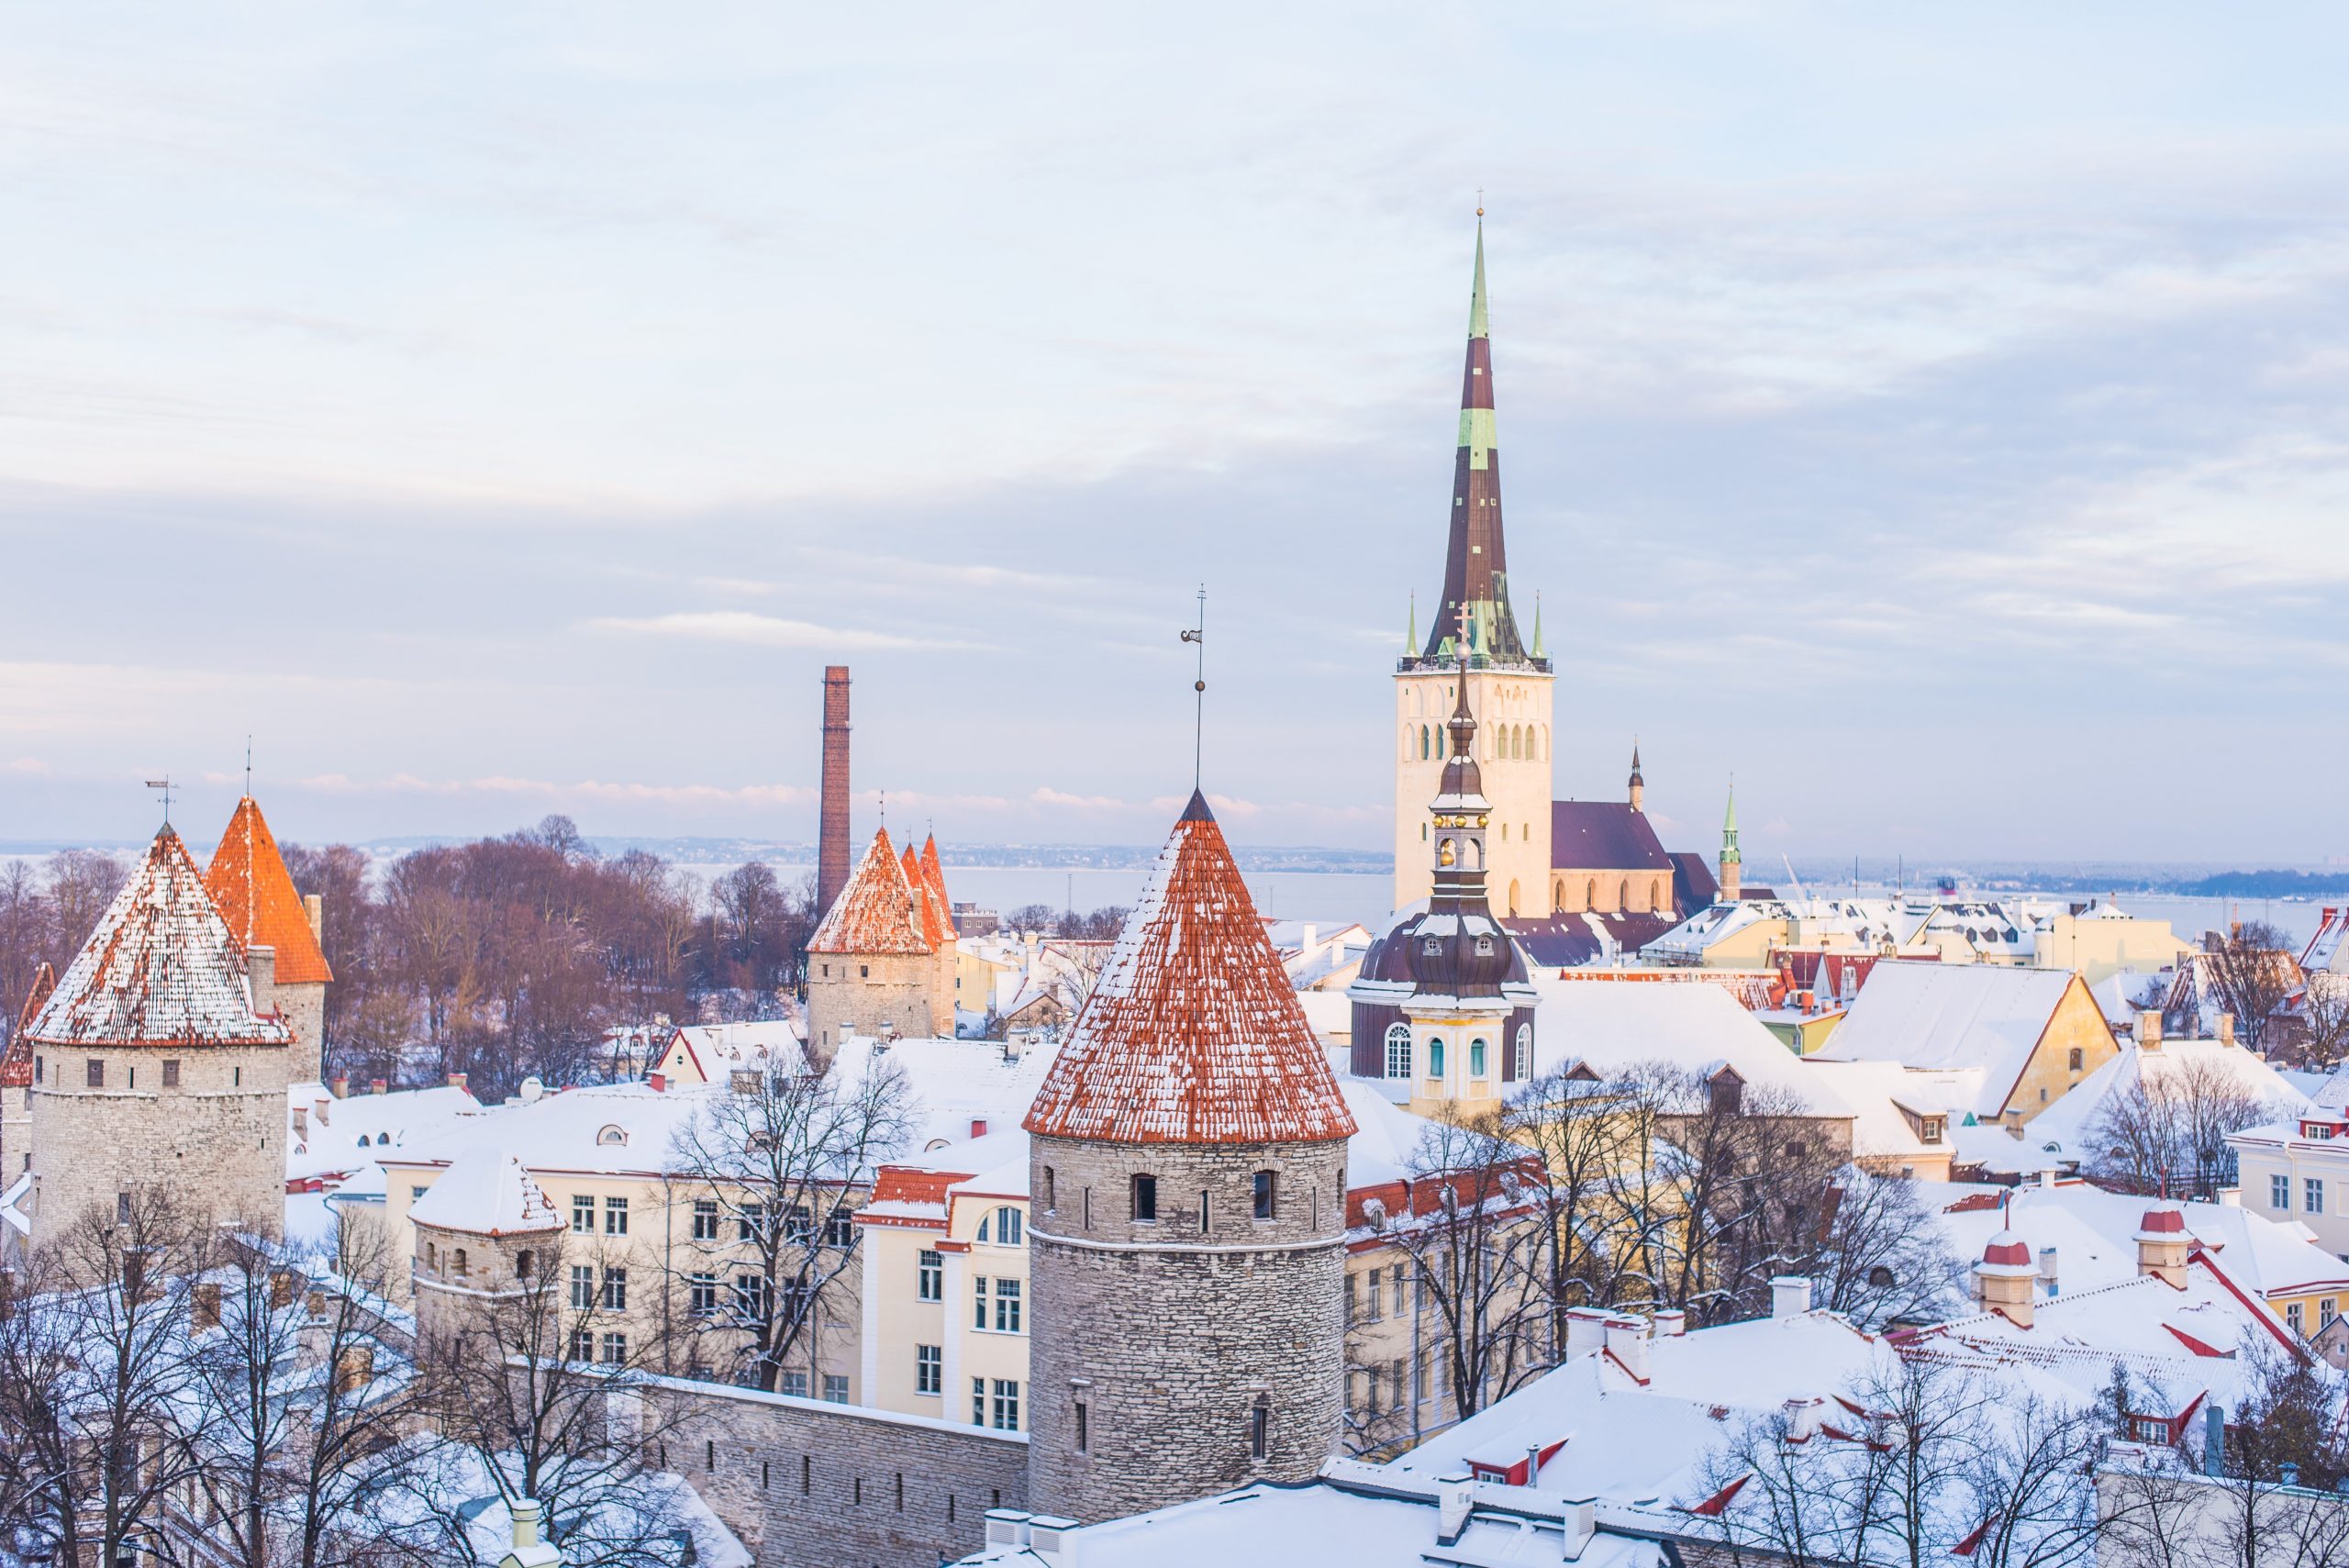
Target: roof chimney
(378,1086)
(1586,1332)
(978,1126)
(1627,1341)
(831,811)
(2047,1268)
(2162,1244)
(2002,1278)
(314,908)
(2226,1028)
(456,1079)
(260,967)
(1671,1323)
(2149,1030)
(1789,1296)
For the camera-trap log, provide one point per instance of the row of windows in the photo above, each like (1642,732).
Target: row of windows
(1264,1197)
(750,1222)
(1632,897)
(1514,1065)
(835,1387)
(93,1072)
(1371,1295)
(1507,742)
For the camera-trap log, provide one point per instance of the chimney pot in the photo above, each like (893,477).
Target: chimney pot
(342,1086)
(378,1086)
(978,1126)
(315,909)
(456,1079)
(660,1083)
(260,967)
(2149,1031)
(1789,1296)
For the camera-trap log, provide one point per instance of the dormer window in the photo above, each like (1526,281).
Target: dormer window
(1431,947)
(611,1136)
(1484,947)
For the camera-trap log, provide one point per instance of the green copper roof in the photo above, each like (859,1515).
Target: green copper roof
(1538,651)
(1729,829)
(1477,327)
(1411,638)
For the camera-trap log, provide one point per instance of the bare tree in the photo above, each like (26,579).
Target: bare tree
(2168,1130)
(1594,1138)
(769,1169)
(2323,1019)
(1884,1259)
(2250,971)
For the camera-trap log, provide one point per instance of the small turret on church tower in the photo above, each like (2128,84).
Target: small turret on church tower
(1639,784)
(1732,862)
(1188,1213)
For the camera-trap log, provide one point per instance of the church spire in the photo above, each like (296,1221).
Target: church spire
(1733,865)
(1475,569)
(1639,784)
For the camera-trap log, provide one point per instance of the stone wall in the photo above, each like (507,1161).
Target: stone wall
(304,1007)
(217,1139)
(1171,1337)
(808,1484)
(862,993)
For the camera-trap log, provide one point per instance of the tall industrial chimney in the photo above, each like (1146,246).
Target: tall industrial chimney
(831,819)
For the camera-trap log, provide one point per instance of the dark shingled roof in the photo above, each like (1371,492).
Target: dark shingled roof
(1693,888)
(1603,835)
(1566,941)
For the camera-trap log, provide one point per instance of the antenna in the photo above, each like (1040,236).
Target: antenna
(1198,635)
(163,784)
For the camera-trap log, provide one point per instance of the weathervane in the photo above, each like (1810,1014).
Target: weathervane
(1199,689)
(249,766)
(163,784)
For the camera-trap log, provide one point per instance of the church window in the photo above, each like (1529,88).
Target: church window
(1398,1051)
(1145,1200)
(1590,893)
(1435,1059)
(1423,743)
(1475,1059)
(461,1262)
(1623,895)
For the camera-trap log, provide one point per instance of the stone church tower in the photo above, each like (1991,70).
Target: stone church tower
(1508,683)
(247,880)
(161,1057)
(1188,1213)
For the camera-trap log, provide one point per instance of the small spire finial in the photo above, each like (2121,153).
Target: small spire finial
(884,808)
(249,766)
(1198,635)
(1480,201)
(163,784)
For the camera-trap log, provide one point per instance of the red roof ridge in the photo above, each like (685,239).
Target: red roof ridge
(877,911)
(248,879)
(1193,1033)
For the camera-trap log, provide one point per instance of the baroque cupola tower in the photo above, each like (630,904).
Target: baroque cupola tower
(1510,683)
(1445,1002)
(1187,1212)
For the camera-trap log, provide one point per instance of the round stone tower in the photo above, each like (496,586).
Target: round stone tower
(485,1233)
(1188,1193)
(161,1057)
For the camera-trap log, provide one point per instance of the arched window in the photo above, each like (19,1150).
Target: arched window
(2079,1059)
(1446,853)
(460,1262)
(1475,1059)
(612,1135)
(1052,1195)
(1398,1051)
(1590,893)
(1558,897)
(1523,1067)
(523,1263)
(1006,1226)
(1423,743)
(1623,895)
(1435,1059)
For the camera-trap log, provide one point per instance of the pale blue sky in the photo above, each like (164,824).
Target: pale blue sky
(1934,415)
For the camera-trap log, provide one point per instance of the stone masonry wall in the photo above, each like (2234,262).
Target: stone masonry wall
(304,1008)
(864,992)
(1170,1336)
(217,1139)
(808,1484)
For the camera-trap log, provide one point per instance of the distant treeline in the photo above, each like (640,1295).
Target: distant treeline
(2267,884)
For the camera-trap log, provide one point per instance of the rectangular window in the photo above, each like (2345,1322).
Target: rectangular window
(1007,1405)
(1401,1285)
(2292,1315)
(1353,1297)
(978,1401)
(929,1362)
(751,1219)
(1371,1301)
(616,1290)
(1084,1437)
(836,1388)
(931,1278)
(1006,1307)
(582,1288)
(615,1348)
(170,1073)
(1260,1422)
(616,1217)
(795,1384)
(2325,1312)
(1265,1194)
(582,1345)
(413,1194)
(1145,1200)
(839,1228)
(704,1220)
(751,1296)
(2315,1196)
(583,1215)
(798,1225)
(702,1296)
(979,1302)
(96,1069)
(2279,1193)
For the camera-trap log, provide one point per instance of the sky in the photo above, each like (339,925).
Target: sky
(1931,417)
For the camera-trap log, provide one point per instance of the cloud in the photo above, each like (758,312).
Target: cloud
(603,791)
(764,631)
(28,765)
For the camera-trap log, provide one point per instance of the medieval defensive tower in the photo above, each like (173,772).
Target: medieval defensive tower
(1187,1192)
(162,1057)
(246,878)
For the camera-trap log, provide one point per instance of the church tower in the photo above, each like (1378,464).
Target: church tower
(1508,683)
(1733,862)
(1186,1229)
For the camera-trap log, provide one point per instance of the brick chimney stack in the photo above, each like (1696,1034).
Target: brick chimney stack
(831,818)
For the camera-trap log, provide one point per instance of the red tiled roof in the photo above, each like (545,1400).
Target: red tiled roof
(877,911)
(936,924)
(936,875)
(249,882)
(17,1066)
(1193,1033)
(162,968)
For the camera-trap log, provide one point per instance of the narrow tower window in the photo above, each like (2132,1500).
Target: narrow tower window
(1145,1200)
(1398,1051)
(1266,1190)
(1205,1219)
(1260,1428)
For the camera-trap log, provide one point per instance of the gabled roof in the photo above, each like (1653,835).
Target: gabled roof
(249,881)
(1193,1033)
(1604,835)
(17,1066)
(162,968)
(485,1192)
(876,912)
(1934,1016)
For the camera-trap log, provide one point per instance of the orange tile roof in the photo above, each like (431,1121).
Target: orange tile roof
(929,893)
(937,875)
(162,968)
(17,1066)
(876,912)
(256,896)
(1193,1034)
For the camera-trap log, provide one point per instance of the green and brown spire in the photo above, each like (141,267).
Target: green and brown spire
(1475,568)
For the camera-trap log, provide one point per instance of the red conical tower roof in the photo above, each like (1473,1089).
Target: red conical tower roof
(935,875)
(877,911)
(162,968)
(935,927)
(1193,1033)
(248,879)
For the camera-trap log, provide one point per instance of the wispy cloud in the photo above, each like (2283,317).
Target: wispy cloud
(763,631)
